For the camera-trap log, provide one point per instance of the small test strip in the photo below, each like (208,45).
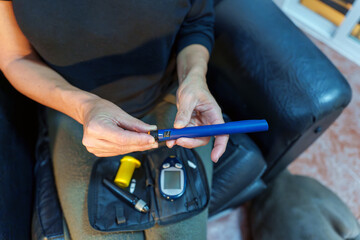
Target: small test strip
(191,164)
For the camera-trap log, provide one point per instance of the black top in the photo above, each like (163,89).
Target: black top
(118,49)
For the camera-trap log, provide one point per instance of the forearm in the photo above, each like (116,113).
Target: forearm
(33,78)
(196,106)
(192,60)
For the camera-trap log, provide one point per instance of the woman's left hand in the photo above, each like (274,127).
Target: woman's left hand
(196,107)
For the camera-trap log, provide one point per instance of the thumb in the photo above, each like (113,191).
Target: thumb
(185,110)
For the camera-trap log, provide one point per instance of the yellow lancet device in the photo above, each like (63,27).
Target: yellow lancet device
(126,170)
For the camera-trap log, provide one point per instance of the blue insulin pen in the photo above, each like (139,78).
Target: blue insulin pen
(246,126)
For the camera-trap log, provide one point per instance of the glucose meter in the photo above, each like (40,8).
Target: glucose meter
(172,178)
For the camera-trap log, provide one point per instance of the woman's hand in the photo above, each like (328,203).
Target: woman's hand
(196,107)
(109,131)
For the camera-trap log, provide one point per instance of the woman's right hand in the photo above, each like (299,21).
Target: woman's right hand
(109,131)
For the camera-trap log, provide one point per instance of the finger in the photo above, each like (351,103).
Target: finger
(186,107)
(113,133)
(219,147)
(107,146)
(134,124)
(213,116)
(192,142)
(134,148)
(170,143)
(125,137)
(101,152)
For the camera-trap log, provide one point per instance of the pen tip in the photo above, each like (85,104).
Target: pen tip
(145,209)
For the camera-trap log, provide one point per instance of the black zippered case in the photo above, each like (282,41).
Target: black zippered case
(109,213)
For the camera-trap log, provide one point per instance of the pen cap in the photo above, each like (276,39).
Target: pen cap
(126,170)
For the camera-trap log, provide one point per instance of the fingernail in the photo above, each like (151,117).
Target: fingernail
(155,145)
(216,159)
(151,141)
(153,127)
(179,124)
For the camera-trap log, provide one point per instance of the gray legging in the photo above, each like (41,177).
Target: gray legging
(72,167)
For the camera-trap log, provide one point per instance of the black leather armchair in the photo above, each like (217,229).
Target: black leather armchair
(262,66)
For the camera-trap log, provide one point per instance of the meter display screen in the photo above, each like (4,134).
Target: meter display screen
(172,180)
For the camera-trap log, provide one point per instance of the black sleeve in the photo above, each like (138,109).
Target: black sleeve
(198,26)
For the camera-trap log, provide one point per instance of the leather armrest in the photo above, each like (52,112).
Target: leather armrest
(263,66)
(237,174)
(18,134)
(47,217)
(17,142)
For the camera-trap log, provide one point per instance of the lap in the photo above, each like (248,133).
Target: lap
(72,169)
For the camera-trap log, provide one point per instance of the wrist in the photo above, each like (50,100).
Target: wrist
(76,102)
(87,101)
(192,62)
(194,80)
(198,71)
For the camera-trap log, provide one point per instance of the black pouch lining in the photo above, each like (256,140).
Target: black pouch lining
(100,219)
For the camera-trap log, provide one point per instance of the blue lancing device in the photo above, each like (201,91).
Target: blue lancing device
(246,126)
